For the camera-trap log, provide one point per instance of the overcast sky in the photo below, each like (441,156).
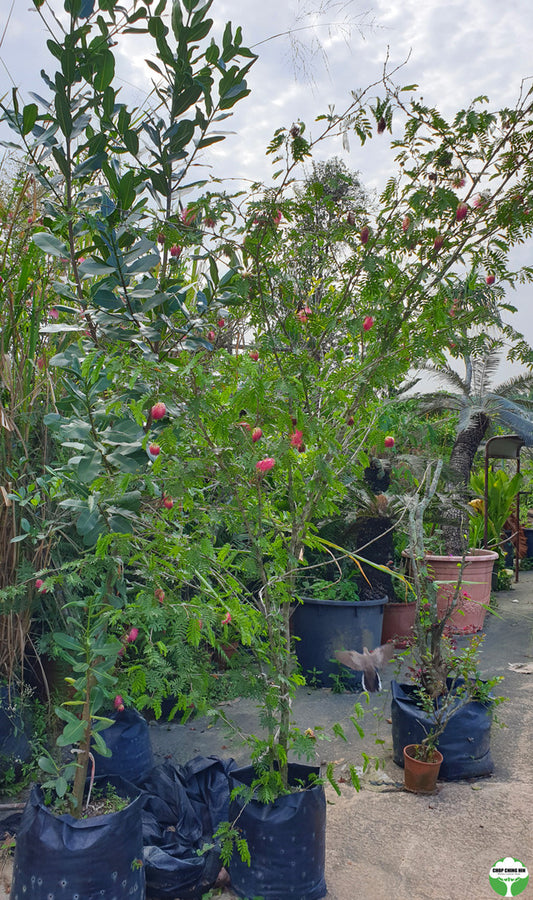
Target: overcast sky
(456,50)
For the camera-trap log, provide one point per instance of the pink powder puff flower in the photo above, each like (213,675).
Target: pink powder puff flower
(297,438)
(158,410)
(227,619)
(132,635)
(188,216)
(119,703)
(368,323)
(39,584)
(53,313)
(265,465)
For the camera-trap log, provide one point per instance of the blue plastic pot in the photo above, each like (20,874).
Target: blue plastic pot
(324,626)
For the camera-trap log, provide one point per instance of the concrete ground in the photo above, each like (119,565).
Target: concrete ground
(386,844)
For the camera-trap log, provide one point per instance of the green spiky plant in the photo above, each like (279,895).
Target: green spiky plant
(481,406)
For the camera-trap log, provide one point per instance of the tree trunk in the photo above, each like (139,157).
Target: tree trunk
(455,528)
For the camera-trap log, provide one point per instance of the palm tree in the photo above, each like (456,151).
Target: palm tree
(480,407)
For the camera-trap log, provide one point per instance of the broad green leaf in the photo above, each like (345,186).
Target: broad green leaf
(106,71)
(46,765)
(89,165)
(180,134)
(131,142)
(29,117)
(92,267)
(159,182)
(214,139)
(61,160)
(128,462)
(89,467)
(72,733)
(120,524)
(100,745)
(186,98)
(107,299)
(144,264)
(76,430)
(200,31)
(177,20)
(67,641)
(125,431)
(61,786)
(63,113)
(87,9)
(50,244)
(87,521)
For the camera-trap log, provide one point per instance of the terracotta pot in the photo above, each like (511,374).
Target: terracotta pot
(398,622)
(476,584)
(420,777)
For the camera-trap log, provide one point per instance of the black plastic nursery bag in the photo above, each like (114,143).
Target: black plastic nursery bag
(464,744)
(15,747)
(286,840)
(128,738)
(183,807)
(79,859)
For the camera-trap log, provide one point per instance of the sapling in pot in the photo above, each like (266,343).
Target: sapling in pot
(445,677)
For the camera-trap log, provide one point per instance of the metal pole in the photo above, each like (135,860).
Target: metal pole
(517,555)
(486,501)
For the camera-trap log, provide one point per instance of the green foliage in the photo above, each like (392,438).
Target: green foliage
(502,492)
(200,542)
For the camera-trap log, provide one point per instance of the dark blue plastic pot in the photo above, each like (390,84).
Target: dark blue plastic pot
(464,743)
(286,840)
(324,626)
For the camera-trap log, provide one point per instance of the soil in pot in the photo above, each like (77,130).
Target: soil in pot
(420,776)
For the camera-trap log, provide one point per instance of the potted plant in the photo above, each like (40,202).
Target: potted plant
(101,476)
(447,707)
(330,616)
(463,581)
(63,840)
(502,491)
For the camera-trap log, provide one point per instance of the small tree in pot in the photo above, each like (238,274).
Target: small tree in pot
(444,679)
